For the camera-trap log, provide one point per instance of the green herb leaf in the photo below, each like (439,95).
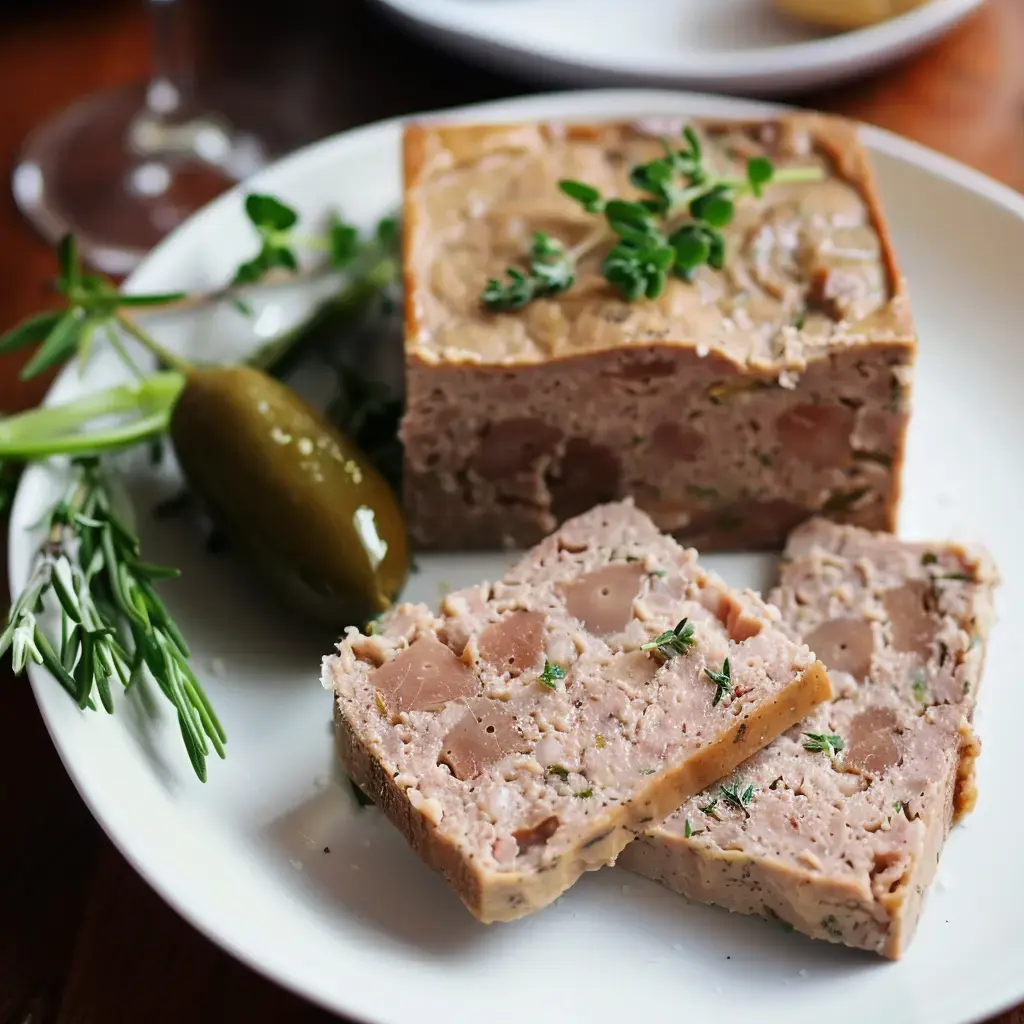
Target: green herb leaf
(920,690)
(672,641)
(760,171)
(722,681)
(67,263)
(157,299)
(30,331)
(929,558)
(647,771)
(343,240)
(586,195)
(584,794)
(551,674)
(60,344)
(269,213)
(710,809)
(738,797)
(559,770)
(714,207)
(823,743)
(689,831)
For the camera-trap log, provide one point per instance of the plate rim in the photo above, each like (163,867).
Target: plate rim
(813,61)
(132,846)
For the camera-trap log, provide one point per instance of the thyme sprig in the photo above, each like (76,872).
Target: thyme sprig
(824,743)
(113,624)
(722,681)
(673,229)
(736,796)
(673,641)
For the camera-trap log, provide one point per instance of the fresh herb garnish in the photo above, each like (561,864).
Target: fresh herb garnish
(113,625)
(550,271)
(673,229)
(672,641)
(736,796)
(920,690)
(560,770)
(551,674)
(647,771)
(823,743)
(709,809)
(722,681)
(831,925)
(584,794)
(689,831)
(929,558)
(898,806)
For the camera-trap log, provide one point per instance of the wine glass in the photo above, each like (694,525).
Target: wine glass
(122,167)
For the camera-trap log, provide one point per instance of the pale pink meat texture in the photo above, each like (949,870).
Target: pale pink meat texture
(843,844)
(521,734)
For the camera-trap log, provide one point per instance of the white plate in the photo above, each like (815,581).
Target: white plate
(366,929)
(738,46)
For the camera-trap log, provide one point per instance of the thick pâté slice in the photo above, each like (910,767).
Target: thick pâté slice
(847,813)
(526,732)
(731,408)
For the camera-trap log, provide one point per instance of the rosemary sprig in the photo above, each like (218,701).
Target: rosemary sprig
(673,229)
(673,641)
(738,797)
(113,625)
(824,743)
(722,681)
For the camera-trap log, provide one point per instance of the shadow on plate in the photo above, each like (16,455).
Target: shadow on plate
(358,865)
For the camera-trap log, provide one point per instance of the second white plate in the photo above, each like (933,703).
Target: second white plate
(738,46)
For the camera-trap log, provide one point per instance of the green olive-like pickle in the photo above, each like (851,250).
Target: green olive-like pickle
(296,498)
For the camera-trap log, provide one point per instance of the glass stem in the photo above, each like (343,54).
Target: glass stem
(170,86)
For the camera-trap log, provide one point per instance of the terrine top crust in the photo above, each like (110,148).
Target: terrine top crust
(808,268)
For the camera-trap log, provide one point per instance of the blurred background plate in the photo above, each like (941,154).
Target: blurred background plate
(739,46)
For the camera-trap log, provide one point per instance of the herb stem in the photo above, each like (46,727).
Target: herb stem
(277,355)
(148,342)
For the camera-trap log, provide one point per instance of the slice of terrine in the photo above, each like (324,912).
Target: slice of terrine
(732,407)
(527,731)
(836,827)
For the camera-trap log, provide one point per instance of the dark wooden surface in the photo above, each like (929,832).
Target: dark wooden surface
(82,939)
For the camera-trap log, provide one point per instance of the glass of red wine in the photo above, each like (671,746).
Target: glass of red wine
(123,167)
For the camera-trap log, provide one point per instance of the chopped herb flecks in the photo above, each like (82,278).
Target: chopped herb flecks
(560,770)
(647,771)
(689,832)
(920,689)
(722,680)
(823,743)
(672,641)
(710,809)
(551,674)
(831,925)
(736,796)
(583,794)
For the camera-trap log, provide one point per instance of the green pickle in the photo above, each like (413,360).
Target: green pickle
(295,497)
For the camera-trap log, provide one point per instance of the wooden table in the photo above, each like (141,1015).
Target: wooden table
(82,939)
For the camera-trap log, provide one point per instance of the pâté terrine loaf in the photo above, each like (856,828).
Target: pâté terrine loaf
(527,731)
(731,408)
(847,812)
